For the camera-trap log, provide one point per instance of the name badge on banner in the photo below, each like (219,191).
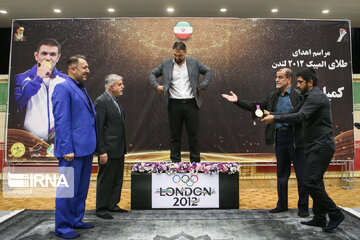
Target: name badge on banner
(185,190)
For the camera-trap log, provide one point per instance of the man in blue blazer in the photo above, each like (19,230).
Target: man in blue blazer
(181,89)
(75,143)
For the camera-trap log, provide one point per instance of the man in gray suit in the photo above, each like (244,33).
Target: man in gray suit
(111,147)
(181,89)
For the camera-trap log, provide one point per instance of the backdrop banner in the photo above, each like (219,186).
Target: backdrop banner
(244,55)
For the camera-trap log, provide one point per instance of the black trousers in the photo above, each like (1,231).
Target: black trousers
(180,112)
(285,153)
(317,163)
(109,184)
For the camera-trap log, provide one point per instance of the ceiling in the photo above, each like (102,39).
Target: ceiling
(305,9)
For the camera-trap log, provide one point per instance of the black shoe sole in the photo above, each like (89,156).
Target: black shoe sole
(105,216)
(313,224)
(333,224)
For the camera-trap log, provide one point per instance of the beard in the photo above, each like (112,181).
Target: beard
(19,36)
(179,61)
(305,89)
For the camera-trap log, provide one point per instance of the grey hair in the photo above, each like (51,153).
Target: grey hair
(111,79)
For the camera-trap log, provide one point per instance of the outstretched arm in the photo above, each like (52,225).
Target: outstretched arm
(301,112)
(231,98)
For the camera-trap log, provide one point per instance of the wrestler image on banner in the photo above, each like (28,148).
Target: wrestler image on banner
(32,95)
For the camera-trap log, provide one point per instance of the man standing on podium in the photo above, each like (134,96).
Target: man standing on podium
(181,89)
(288,139)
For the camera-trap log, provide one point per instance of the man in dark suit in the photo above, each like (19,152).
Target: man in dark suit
(181,89)
(315,113)
(288,139)
(111,147)
(75,144)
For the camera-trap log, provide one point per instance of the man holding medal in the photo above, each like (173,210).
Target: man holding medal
(315,113)
(34,88)
(288,138)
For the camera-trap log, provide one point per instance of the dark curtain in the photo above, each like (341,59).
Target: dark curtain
(4,50)
(355,42)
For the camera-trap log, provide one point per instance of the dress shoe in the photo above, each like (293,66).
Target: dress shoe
(303,214)
(334,223)
(314,223)
(69,235)
(277,210)
(118,209)
(104,216)
(82,225)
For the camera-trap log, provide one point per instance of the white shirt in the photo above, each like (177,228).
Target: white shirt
(39,118)
(180,87)
(342,34)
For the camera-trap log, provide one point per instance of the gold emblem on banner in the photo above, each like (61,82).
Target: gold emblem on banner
(18,149)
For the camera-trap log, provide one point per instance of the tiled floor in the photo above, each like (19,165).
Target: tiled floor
(259,198)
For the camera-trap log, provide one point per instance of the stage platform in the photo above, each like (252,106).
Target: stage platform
(182,224)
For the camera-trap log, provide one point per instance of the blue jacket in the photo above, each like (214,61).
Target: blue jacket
(75,120)
(27,84)
(31,92)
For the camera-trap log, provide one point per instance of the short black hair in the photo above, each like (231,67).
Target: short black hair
(179,46)
(49,42)
(309,74)
(74,60)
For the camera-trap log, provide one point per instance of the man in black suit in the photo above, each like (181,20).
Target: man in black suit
(181,90)
(314,111)
(111,147)
(288,139)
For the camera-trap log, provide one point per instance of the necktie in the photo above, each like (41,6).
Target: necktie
(117,105)
(82,87)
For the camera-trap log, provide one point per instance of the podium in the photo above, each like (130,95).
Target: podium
(156,188)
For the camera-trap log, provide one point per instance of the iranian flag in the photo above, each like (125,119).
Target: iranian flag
(183,30)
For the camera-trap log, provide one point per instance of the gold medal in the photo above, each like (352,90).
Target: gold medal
(259,113)
(46,63)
